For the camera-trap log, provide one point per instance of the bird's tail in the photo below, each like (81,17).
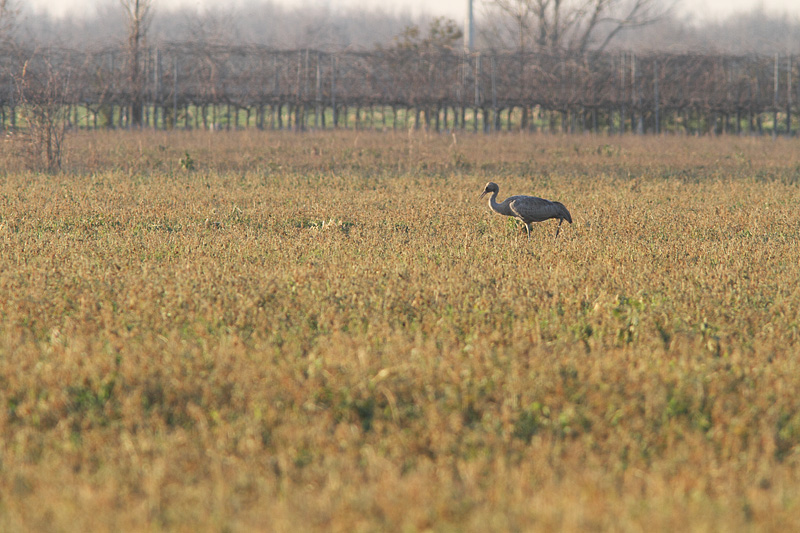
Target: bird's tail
(563,212)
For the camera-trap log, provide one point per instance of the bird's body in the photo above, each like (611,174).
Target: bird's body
(527,209)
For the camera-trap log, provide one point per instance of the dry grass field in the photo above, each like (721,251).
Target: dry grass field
(330,332)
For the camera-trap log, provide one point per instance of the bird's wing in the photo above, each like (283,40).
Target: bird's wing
(533,209)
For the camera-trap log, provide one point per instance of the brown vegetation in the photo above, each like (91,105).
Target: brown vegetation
(329,332)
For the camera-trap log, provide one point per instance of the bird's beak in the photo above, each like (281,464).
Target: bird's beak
(483,194)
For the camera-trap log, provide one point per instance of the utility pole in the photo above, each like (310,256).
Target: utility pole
(469,29)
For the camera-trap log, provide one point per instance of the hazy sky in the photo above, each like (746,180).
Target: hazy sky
(706,9)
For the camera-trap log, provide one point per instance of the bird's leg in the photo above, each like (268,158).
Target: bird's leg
(528,227)
(560,220)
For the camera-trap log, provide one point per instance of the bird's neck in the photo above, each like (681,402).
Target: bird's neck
(493,201)
(499,207)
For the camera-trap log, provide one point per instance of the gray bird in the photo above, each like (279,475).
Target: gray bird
(527,208)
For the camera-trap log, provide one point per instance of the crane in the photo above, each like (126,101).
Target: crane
(527,208)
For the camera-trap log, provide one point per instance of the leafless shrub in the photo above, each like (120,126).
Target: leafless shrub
(43,93)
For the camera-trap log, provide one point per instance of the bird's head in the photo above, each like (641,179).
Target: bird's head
(491,187)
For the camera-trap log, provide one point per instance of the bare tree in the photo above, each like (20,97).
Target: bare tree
(212,27)
(138,13)
(443,33)
(572,26)
(512,18)
(9,11)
